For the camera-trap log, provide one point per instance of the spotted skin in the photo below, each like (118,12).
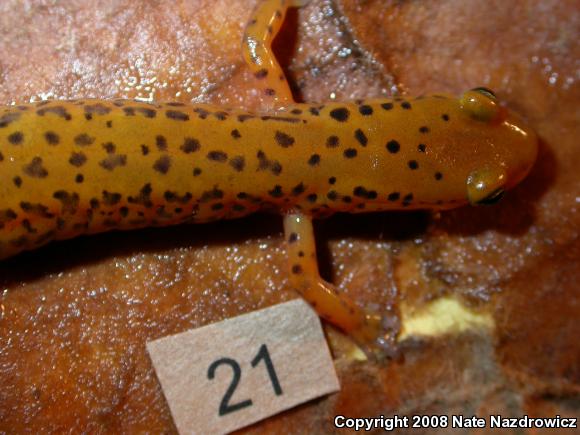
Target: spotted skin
(88,166)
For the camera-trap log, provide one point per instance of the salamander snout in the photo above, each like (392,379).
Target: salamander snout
(509,145)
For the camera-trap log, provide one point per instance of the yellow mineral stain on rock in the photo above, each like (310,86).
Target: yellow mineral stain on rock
(446,315)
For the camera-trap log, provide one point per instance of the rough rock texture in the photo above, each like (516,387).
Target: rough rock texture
(75,315)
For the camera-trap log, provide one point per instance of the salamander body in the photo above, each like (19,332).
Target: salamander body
(69,168)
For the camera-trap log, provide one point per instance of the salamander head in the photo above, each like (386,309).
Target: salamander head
(511,147)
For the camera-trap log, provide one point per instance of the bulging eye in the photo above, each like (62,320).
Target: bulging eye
(486,186)
(493,198)
(485,91)
(480,104)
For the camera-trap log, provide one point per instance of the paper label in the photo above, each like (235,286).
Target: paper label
(228,375)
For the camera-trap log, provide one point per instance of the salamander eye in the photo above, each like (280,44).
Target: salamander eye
(485,186)
(480,104)
(492,198)
(485,91)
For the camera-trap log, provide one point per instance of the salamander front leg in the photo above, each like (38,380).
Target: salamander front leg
(338,309)
(260,31)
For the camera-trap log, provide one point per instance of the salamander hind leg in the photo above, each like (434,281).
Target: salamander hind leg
(260,31)
(338,309)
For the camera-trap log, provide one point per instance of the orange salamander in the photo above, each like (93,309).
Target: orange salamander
(86,166)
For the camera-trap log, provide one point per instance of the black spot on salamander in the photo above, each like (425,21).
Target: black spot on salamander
(162,164)
(314,111)
(77,159)
(201,113)
(175,197)
(16,138)
(332,180)
(265,164)
(296,269)
(424,129)
(296,112)
(293,237)
(88,116)
(238,163)
(208,195)
(190,145)
(406,105)
(445,117)
(217,206)
(242,195)
(245,117)
(340,114)
(124,212)
(28,227)
(146,112)
(161,142)
(36,209)
(109,147)
(393,146)
(144,150)
(438,176)
(361,192)
(361,137)
(260,74)
(84,140)
(350,153)
(69,201)
(221,116)
(196,172)
(57,110)
(8,118)
(394,196)
(17,181)
(7,215)
(421,147)
(283,139)
(314,160)
(217,156)
(332,195)
(365,110)
(298,189)
(407,199)
(113,161)
(346,199)
(79,178)
(35,169)
(238,207)
(143,198)
(276,192)
(332,142)
(51,138)
(1,157)
(109,124)
(175,104)
(235,133)
(111,198)
(413,164)
(94,203)
(312,197)
(97,109)
(177,115)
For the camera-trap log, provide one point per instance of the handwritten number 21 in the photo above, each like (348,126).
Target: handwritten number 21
(225,406)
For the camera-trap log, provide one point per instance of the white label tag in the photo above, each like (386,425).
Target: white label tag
(230,374)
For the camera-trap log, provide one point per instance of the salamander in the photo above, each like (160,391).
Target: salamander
(87,166)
